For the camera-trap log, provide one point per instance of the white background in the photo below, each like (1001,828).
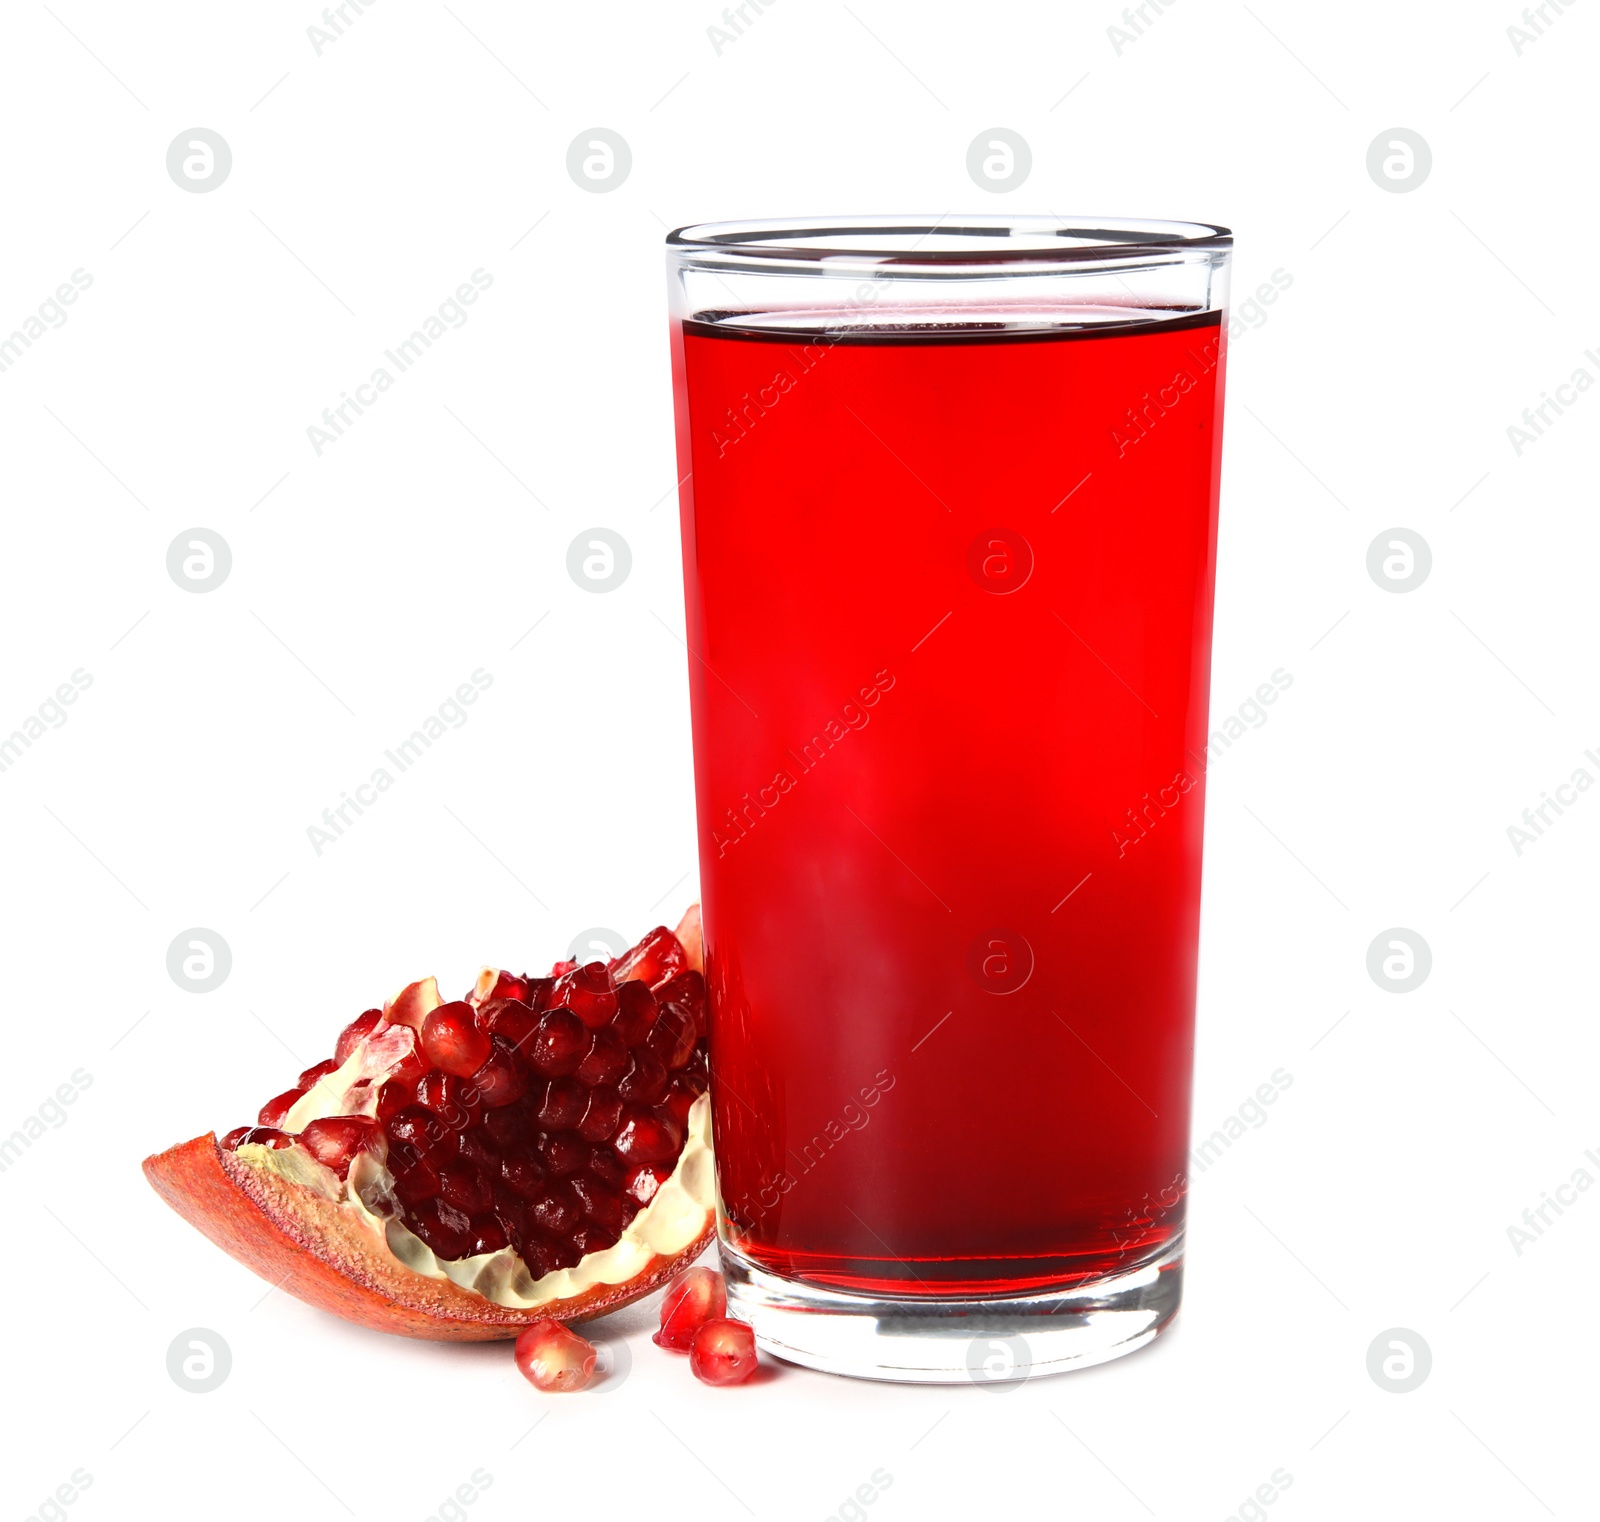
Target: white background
(367,583)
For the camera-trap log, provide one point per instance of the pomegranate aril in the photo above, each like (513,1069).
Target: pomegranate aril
(559,1252)
(524,1176)
(463,1185)
(274,1110)
(557,1210)
(642,1181)
(637,1008)
(336,1139)
(559,1044)
(723,1352)
(559,970)
(415,1177)
(503,986)
(563,1104)
(672,1040)
(502,1079)
(353,1034)
(646,1137)
(657,957)
(689,990)
(601,1116)
(587,992)
(265,1136)
(693,1298)
(535,1254)
(444,1228)
(645,1082)
(605,1061)
(393,1097)
(511,1127)
(590,1236)
(537,997)
(478,1147)
(452,1040)
(552,1358)
(234,1137)
(313,1075)
(563,1156)
(514,1022)
(680,1097)
(601,1205)
(412,1068)
(422,1129)
(488,1235)
(606,1166)
(454,1100)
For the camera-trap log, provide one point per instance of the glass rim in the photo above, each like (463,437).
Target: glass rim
(933,244)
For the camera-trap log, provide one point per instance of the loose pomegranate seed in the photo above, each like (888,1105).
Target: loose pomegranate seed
(642,1181)
(693,1298)
(353,1034)
(657,957)
(562,1107)
(646,1137)
(587,992)
(723,1352)
(312,1075)
(672,1038)
(503,1079)
(605,1061)
(335,1140)
(559,1044)
(552,1358)
(274,1110)
(645,1082)
(602,1115)
(637,1008)
(452,1040)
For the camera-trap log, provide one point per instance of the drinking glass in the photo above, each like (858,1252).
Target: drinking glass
(949,509)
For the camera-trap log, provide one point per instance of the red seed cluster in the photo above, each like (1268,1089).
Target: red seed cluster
(542,1118)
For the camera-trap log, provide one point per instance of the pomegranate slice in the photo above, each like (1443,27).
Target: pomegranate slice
(535,1153)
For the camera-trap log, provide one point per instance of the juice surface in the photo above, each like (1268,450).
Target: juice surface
(949,613)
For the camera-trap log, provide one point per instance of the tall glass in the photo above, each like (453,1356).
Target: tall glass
(949,526)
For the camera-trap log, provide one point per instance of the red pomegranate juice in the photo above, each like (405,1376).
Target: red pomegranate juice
(949,608)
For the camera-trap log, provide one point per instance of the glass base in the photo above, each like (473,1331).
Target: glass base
(934,1340)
